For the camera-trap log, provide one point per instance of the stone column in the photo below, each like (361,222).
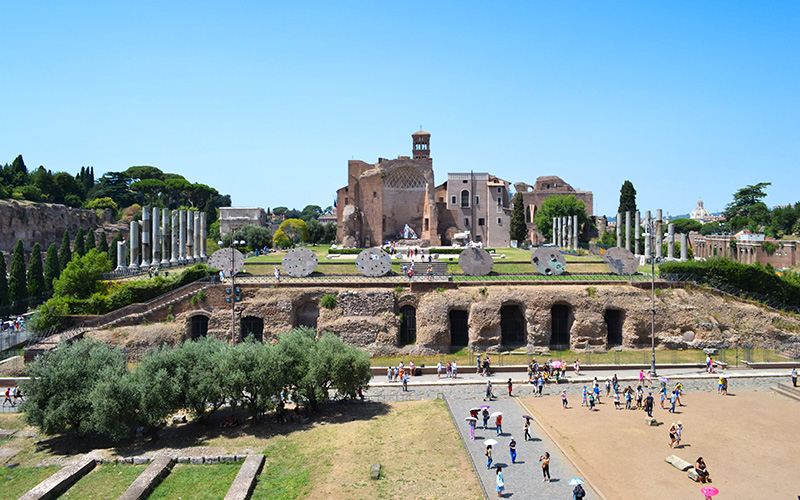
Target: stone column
(619,229)
(637,235)
(684,248)
(182,236)
(555,231)
(562,232)
(165,240)
(197,237)
(121,256)
(569,232)
(134,239)
(146,237)
(647,221)
(156,261)
(628,230)
(659,234)
(174,238)
(203,236)
(671,242)
(189,236)
(575,231)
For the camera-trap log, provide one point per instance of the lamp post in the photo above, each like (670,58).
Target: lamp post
(234,293)
(651,229)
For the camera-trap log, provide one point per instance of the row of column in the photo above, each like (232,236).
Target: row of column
(656,225)
(165,241)
(565,232)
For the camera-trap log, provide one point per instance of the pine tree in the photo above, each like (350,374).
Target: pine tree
(518,230)
(627,199)
(64,254)
(102,243)
(36,285)
(5,298)
(79,248)
(17,286)
(90,241)
(112,255)
(52,268)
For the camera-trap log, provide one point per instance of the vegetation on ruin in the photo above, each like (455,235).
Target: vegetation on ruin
(328,301)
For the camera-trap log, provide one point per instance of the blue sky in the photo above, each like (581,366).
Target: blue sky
(268,100)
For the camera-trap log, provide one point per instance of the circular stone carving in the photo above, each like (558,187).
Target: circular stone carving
(475,261)
(549,261)
(373,262)
(620,261)
(299,262)
(221,259)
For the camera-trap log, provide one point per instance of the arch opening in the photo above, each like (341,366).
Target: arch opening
(252,326)
(307,315)
(408,325)
(559,326)
(513,329)
(198,326)
(459,328)
(614,320)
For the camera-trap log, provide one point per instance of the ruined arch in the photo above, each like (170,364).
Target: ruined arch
(408,324)
(307,315)
(198,326)
(615,320)
(513,327)
(459,327)
(252,326)
(560,324)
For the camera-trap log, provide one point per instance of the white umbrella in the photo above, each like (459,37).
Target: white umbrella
(496,414)
(576,482)
(470,418)
(490,442)
(474,409)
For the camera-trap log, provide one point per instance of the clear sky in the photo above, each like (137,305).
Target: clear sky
(266,101)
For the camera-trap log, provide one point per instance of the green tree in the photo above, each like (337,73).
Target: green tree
(558,206)
(81,276)
(251,376)
(744,199)
(202,365)
(102,243)
(255,236)
(279,210)
(112,254)
(5,297)
(64,253)
(608,238)
(149,188)
(103,203)
(627,198)
(686,226)
(316,232)
(36,285)
(330,232)
(518,230)
(710,228)
(52,269)
(69,189)
(144,172)
(311,212)
(90,240)
(79,247)
(17,285)
(291,232)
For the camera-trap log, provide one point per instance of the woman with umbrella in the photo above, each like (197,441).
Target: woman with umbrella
(527,428)
(485,416)
(489,443)
(471,421)
(578,492)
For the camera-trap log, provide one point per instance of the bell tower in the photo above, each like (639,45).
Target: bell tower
(421,144)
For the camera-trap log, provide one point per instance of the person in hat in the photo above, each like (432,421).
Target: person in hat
(512,449)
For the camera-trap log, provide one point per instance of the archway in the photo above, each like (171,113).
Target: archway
(252,326)
(198,326)
(559,326)
(512,325)
(459,328)
(307,315)
(408,325)
(614,321)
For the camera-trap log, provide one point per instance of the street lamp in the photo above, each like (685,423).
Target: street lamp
(234,291)
(651,229)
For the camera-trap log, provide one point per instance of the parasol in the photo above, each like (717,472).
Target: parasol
(575,482)
(490,442)
(709,491)
(496,414)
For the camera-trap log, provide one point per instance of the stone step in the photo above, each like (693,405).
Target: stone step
(678,463)
(789,392)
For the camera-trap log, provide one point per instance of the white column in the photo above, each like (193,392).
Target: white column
(146,237)
(684,248)
(156,261)
(628,230)
(197,237)
(134,239)
(165,241)
(637,228)
(203,236)
(555,231)
(659,233)
(189,236)
(121,247)
(671,241)
(569,232)
(182,236)
(174,239)
(575,232)
(647,222)
(619,229)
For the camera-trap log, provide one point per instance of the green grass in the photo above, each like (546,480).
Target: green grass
(286,474)
(197,482)
(16,482)
(105,481)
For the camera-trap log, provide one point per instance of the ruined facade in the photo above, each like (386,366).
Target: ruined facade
(545,187)
(474,202)
(232,218)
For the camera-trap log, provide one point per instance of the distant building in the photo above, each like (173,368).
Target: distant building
(545,187)
(700,214)
(747,248)
(232,218)
(474,202)
(326,218)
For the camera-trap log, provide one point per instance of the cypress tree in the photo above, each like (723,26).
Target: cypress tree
(102,243)
(627,199)
(36,285)
(52,268)
(79,248)
(112,255)
(5,299)
(17,286)
(518,230)
(90,241)
(64,254)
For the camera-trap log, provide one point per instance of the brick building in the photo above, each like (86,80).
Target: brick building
(748,249)
(474,202)
(545,187)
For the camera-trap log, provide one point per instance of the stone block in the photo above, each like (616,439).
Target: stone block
(211,460)
(693,475)
(140,460)
(196,460)
(651,421)
(149,479)
(59,482)
(246,478)
(375,471)
(179,419)
(121,460)
(678,463)
(227,458)
(128,460)
(183,460)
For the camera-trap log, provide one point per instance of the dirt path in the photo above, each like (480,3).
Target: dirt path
(750,442)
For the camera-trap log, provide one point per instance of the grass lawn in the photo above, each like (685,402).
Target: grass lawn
(104,481)
(16,482)
(197,482)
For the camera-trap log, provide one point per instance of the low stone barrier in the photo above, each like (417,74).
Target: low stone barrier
(149,479)
(246,478)
(60,481)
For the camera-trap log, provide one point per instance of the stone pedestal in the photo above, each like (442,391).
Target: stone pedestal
(134,241)
(146,237)
(628,231)
(637,236)
(671,241)
(121,248)
(174,239)
(165,239)
(156,261)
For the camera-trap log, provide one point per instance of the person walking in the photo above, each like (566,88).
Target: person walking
(455,369)
(616,401)
(578,492)
(509,388)
(485,416)
(277,273)
(608,388)
(649,402)
(8,397)
(725,386)
(628,398)
(678,432)
(585,401)
(478,371)
(794,377)
(512,450)
(540,383)
(564,399)
(489,394)
(439,370)
(528,430)
(488,454)
(545,459)
(501,485)
(498,422)
(672,400)
(673,429)
(405,382)
(472,429)
(17,394)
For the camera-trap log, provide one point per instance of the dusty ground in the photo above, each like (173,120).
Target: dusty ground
(749,441)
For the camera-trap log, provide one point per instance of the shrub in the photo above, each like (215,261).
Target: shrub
(328,301)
